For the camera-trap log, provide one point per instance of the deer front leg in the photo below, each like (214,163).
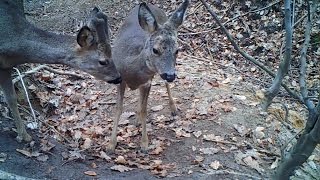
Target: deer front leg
(142,114)
(113,140)
(11,98)
(172,105)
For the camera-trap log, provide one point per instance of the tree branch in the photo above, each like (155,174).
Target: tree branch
(285,63)
(247,56)
(303,61)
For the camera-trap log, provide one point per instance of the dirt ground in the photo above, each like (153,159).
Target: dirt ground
(219,133)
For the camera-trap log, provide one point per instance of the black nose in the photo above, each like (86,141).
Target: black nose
(168,77)
(116,81)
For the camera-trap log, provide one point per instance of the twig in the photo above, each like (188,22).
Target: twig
(284,147)
(245,55)
(226,142)
(268,152)
(63,73)
(299,20)
(194,33)
(27,96)
(225,172)
(38,68)
(54,129)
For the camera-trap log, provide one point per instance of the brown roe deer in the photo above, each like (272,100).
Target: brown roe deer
(21,42)
(146,45)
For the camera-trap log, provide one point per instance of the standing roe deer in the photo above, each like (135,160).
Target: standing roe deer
(22,42)
(146,45)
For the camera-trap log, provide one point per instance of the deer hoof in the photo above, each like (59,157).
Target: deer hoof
(144,150)
(175,112)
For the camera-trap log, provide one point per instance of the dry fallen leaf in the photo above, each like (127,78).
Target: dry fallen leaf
(28,154)
(215,165)
(43,157)
(121,168)
(198,159)
(253,164)
(258,132)
(157,108)
(105,156)
(157,150)
(24,152)
(87,143)
(120,160)
(275,164)
(209,151)
(197,134)
(90,173)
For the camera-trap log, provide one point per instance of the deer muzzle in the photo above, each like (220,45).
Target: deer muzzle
(168,77)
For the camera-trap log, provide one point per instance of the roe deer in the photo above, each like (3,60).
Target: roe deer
(146,45)
(22,42)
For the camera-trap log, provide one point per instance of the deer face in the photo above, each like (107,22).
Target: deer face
(161,47)
(95,49)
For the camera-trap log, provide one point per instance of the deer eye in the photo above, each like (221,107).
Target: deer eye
(103,62)
(156,51)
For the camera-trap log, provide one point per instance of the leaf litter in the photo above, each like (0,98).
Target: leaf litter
(208,91)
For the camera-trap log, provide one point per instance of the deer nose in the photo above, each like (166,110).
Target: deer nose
(168,77)
(116,81)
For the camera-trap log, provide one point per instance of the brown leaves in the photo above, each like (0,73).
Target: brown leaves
(90,173)
(250,158)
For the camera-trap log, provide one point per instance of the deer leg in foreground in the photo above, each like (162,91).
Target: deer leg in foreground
(173,106)
(11,98)
(113,141)
(142,114)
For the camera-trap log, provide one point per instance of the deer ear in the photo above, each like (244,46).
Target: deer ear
(178,16)
(85,37)
(147,20)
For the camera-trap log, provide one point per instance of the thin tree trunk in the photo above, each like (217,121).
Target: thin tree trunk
(285,63)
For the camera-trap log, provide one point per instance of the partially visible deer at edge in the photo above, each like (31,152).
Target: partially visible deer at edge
(145,46)
(21,42)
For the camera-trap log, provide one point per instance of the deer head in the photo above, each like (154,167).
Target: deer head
(95,48)
(161,46)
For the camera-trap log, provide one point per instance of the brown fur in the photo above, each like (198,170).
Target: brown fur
(145,46)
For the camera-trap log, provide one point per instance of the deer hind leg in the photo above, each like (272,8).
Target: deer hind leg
(113,140)
(11,98)
(172,105)
(142,114)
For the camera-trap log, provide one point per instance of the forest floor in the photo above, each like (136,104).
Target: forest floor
(220,131)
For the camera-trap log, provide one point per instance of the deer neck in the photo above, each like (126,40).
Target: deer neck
(38,46)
